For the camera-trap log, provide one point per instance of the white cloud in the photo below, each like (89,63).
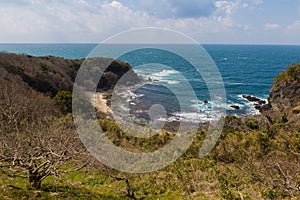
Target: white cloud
(178,9)
(74,20)
(245,5)
(116,4)
(294,26)
(83,21)
(224,14)
(270,26)
(94,21)
(258,2)
(228,7)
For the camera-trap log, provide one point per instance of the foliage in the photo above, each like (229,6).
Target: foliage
(41,156)
(44,74)
(35,143)
(290,73)
(252,124)
(244,165)
(63,100)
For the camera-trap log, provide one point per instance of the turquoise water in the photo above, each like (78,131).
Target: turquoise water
(245,69)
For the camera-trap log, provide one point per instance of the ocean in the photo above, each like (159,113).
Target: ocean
(245,70)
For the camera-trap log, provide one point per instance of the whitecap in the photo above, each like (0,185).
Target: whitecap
(173,82)
(165,72)
(194,117)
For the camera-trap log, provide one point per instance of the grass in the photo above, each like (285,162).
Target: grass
(241,166)
(74,185)
(255,158)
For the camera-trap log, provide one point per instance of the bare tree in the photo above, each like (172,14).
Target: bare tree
(35,141)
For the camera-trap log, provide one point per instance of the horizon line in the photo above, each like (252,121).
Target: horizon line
(91,43)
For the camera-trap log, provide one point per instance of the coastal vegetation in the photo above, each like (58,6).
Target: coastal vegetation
(42,157)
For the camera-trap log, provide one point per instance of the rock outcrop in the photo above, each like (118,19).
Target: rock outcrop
(254,99)
(285,92)
(259,104)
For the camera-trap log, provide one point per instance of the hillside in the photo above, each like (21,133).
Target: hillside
(50,74)
(42,157)
(44,74)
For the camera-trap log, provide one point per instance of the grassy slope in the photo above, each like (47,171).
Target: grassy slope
(238,168)
(254,159)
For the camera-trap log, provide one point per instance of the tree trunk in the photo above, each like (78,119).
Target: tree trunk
(35,180)
(130,192)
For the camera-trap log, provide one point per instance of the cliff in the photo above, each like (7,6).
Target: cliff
(285,92)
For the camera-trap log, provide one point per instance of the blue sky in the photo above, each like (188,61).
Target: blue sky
(207,21)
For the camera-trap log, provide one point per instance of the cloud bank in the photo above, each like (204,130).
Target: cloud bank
(84,21)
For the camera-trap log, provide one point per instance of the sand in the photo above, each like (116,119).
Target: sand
(100,103)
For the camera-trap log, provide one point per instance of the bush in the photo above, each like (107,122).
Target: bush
(252,124)
(269,193)
(290,73)
(63,100)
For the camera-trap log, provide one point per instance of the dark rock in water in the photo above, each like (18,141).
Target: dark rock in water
(262,102)
(253,99)
(205,101)
(258,107)
(258,102)
(235,107)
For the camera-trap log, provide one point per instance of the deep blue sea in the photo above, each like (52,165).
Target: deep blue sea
(245,69)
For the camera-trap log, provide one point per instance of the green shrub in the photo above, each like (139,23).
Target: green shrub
(290,73)
(63,100)
(264,141)
(269,193)
(252,124)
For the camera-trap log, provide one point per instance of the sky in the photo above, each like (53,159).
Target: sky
(206,21)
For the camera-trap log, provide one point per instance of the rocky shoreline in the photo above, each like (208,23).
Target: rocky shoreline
(54,74)
(101,101)
(259,104)
(280,103)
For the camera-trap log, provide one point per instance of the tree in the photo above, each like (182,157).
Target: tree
(35,141)
(63,100)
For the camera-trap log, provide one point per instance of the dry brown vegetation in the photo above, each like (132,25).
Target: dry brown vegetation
(45,74)
(41,156)
(35,140)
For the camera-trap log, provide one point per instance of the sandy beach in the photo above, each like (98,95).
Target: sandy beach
(100,103)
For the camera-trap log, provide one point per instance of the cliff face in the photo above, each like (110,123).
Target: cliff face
(114,72)
(285,92)
(50,74)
